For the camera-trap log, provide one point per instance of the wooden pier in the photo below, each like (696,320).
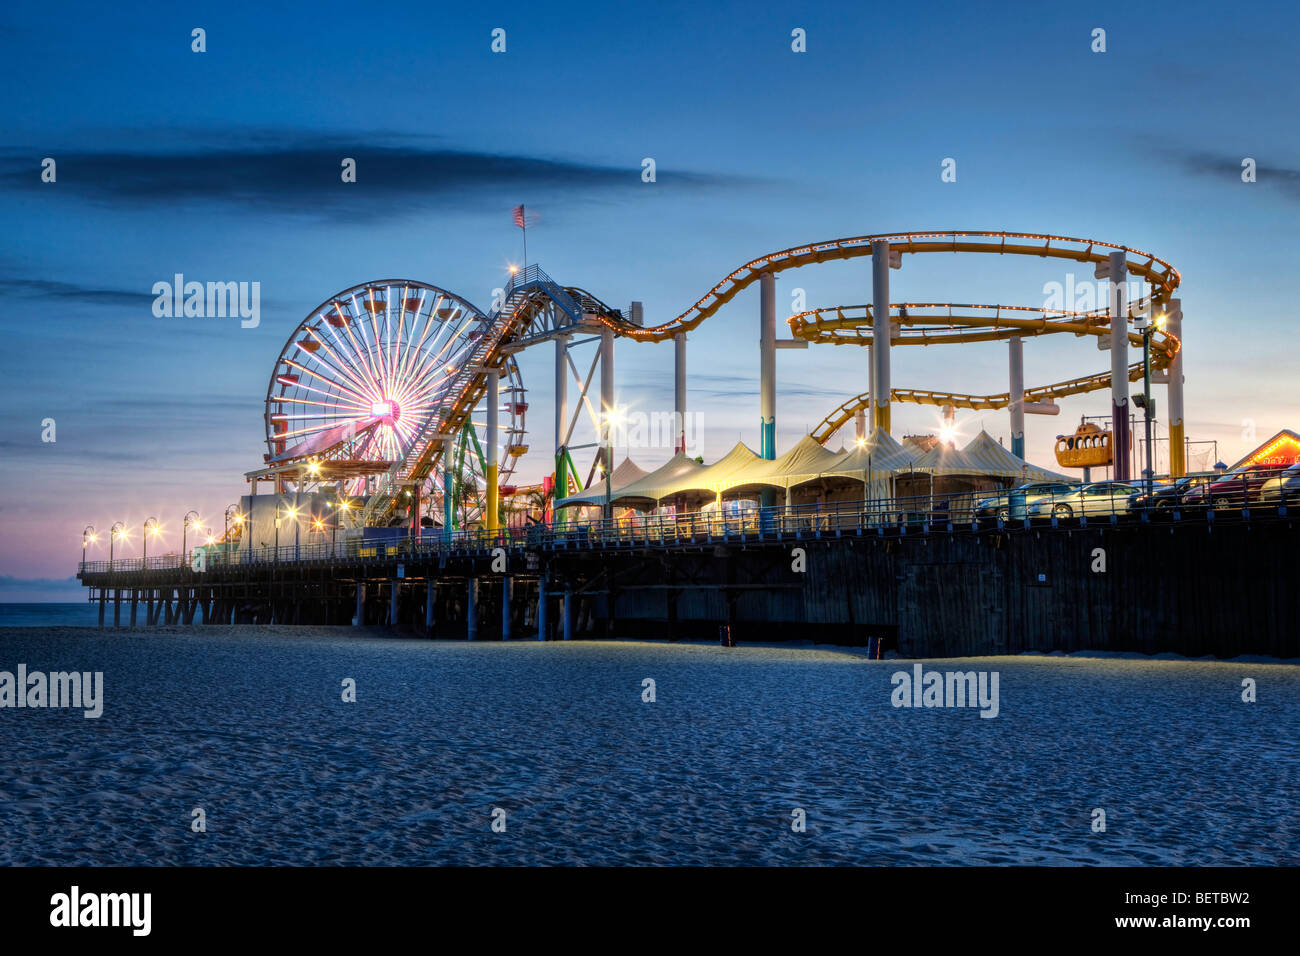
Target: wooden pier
(1221,584)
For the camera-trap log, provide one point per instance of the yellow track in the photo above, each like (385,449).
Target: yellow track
(1162,276)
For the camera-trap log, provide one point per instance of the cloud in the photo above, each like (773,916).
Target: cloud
(300,174)
(1229,169)
(69,292)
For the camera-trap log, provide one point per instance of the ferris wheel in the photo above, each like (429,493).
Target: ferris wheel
(368,374)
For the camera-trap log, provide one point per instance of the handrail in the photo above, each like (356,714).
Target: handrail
(927,513)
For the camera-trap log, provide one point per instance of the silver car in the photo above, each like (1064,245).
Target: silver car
(1284,485)
(1098,498)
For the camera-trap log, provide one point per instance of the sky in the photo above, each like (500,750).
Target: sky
(225,166)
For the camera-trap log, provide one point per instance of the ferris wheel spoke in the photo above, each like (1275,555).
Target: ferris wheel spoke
(339,362)
(322,378)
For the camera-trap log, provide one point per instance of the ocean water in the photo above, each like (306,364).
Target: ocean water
(249,725)
(80,614)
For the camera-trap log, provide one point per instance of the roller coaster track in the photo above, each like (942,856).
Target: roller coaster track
(531,292)
(939,323)
(527,296)
(1162,276)
(1075,386)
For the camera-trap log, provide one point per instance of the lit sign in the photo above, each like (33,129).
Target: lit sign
(1284,450)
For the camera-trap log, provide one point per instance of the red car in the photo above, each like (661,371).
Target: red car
(1234,490)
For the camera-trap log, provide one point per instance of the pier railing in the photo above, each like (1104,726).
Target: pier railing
(922,514)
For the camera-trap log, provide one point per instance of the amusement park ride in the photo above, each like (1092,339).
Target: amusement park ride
(405,399)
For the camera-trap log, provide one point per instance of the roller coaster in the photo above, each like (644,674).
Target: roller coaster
(390,384)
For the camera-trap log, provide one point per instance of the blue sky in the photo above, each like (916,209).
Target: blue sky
(224,166)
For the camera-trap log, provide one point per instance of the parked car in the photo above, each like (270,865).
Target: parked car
(1097,498)
(1284,486)
(1168,494)
(999,505)
(1234,490)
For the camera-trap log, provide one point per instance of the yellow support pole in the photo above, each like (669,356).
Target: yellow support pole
(493,499)
(1177,451)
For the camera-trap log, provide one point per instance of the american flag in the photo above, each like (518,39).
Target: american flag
(519,217)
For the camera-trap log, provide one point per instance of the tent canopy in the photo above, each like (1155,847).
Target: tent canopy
(880,453)
(984,457)
(993,459)
(645,489)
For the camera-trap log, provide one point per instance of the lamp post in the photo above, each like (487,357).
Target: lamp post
(185,527)
(238,518)
(151,526)
(117,531)
(88,535)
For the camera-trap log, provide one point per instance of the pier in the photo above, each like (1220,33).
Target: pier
(1207,582)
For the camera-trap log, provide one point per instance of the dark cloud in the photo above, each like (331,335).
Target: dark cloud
(69,292)
(1229,169)
(301,175)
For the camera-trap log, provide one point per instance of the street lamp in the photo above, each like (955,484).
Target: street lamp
(185,527)
(151,526)
(117,531)
(88,535)
(238,518)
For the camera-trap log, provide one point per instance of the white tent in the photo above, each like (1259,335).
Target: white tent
(806,461)
(874,462)
(992,459)
(716,478)
(646,489)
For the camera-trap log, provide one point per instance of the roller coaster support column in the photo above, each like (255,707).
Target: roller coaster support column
(448,489)
(880,385)
(767,366)
(561,422)
(767,375)
(492,451)
(607,411)
(1118,275)
(1017,405)
(679,383)
(1177,446)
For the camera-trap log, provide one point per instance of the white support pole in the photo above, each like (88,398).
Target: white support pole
(767,366)
(561,420)
(880,335)
(1118,275)
(871,375)
(1174,394)
(1016,351)
(679,383)
(607,412)
(607,396)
